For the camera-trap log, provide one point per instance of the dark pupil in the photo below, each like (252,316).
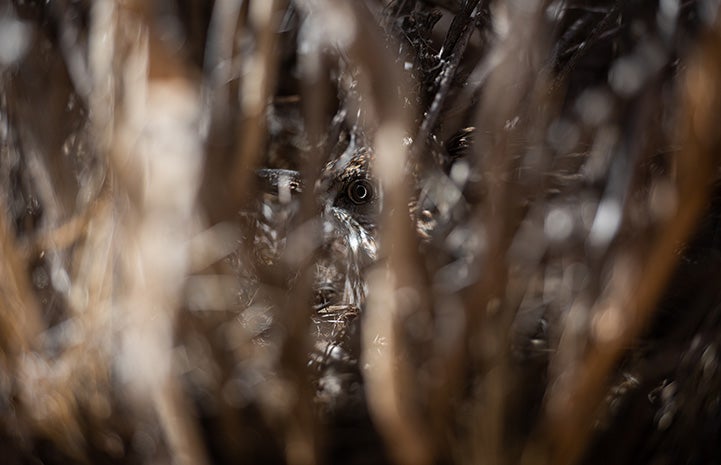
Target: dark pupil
(360,192)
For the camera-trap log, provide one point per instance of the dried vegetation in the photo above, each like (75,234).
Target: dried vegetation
(373,231)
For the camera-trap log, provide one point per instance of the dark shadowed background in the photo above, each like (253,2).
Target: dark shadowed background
(360,232)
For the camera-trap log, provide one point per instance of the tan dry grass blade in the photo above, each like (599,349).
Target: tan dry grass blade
(630,301)
(156,159)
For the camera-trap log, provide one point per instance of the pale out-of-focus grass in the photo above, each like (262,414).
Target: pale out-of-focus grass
(133,327)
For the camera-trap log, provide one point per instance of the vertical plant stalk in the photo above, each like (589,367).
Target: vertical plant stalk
(513,113)
(219,63)
(389,380)
(155,152)
(451,54)
(20,320)
(257,87)
(77,382)
(577,395)
(20,317)
(398,289)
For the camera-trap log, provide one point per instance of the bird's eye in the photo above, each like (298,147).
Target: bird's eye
(360,191)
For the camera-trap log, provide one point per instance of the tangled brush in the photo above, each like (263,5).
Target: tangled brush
(373,231)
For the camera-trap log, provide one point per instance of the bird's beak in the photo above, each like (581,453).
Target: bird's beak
(283,183)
